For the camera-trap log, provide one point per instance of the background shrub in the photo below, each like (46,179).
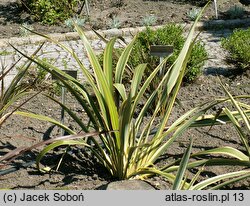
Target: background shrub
(52,11)
(238,46)
(170,34)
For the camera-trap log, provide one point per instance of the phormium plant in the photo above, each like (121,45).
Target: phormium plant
(117,134)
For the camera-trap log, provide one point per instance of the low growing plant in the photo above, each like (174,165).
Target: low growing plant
(70,22)
(193,13)
(149,20)
(25,29)
(115,23)
(238,47)
(235,12)
(51,11)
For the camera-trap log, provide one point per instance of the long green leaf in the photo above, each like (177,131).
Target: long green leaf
(229,151)
(54,145)
(108,62)
(182,168)
(45,118)
(218,178)
(136,81)
(109,104)
(243,138)
(219,186)
(122,61)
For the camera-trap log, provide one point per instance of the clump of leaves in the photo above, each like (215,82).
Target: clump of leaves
(115,23)
(51,12)
(70,22)
(235,12)
(14,89)
(125,145)
(238,47)
(193,14)
(170,34)
(149,20)
(25,29)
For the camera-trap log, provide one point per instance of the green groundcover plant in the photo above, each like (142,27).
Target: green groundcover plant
(238,46)
(52,11)
(116,132)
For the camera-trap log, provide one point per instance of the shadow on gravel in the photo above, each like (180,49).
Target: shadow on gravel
(220,71)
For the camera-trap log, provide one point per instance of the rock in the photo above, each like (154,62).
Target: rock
(129,185)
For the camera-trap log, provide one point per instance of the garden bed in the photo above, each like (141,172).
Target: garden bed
(80,172)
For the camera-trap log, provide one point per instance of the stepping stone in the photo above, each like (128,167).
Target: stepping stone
(129,185)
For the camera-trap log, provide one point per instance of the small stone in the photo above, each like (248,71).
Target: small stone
(95,177)
(129,185)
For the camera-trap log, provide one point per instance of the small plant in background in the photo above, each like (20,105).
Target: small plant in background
(115,23)
(70,22)
(238,46)
(52,12)
(149,20)
(25,29)
(193,13)
(170,34)
(196,62)
(235,12)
